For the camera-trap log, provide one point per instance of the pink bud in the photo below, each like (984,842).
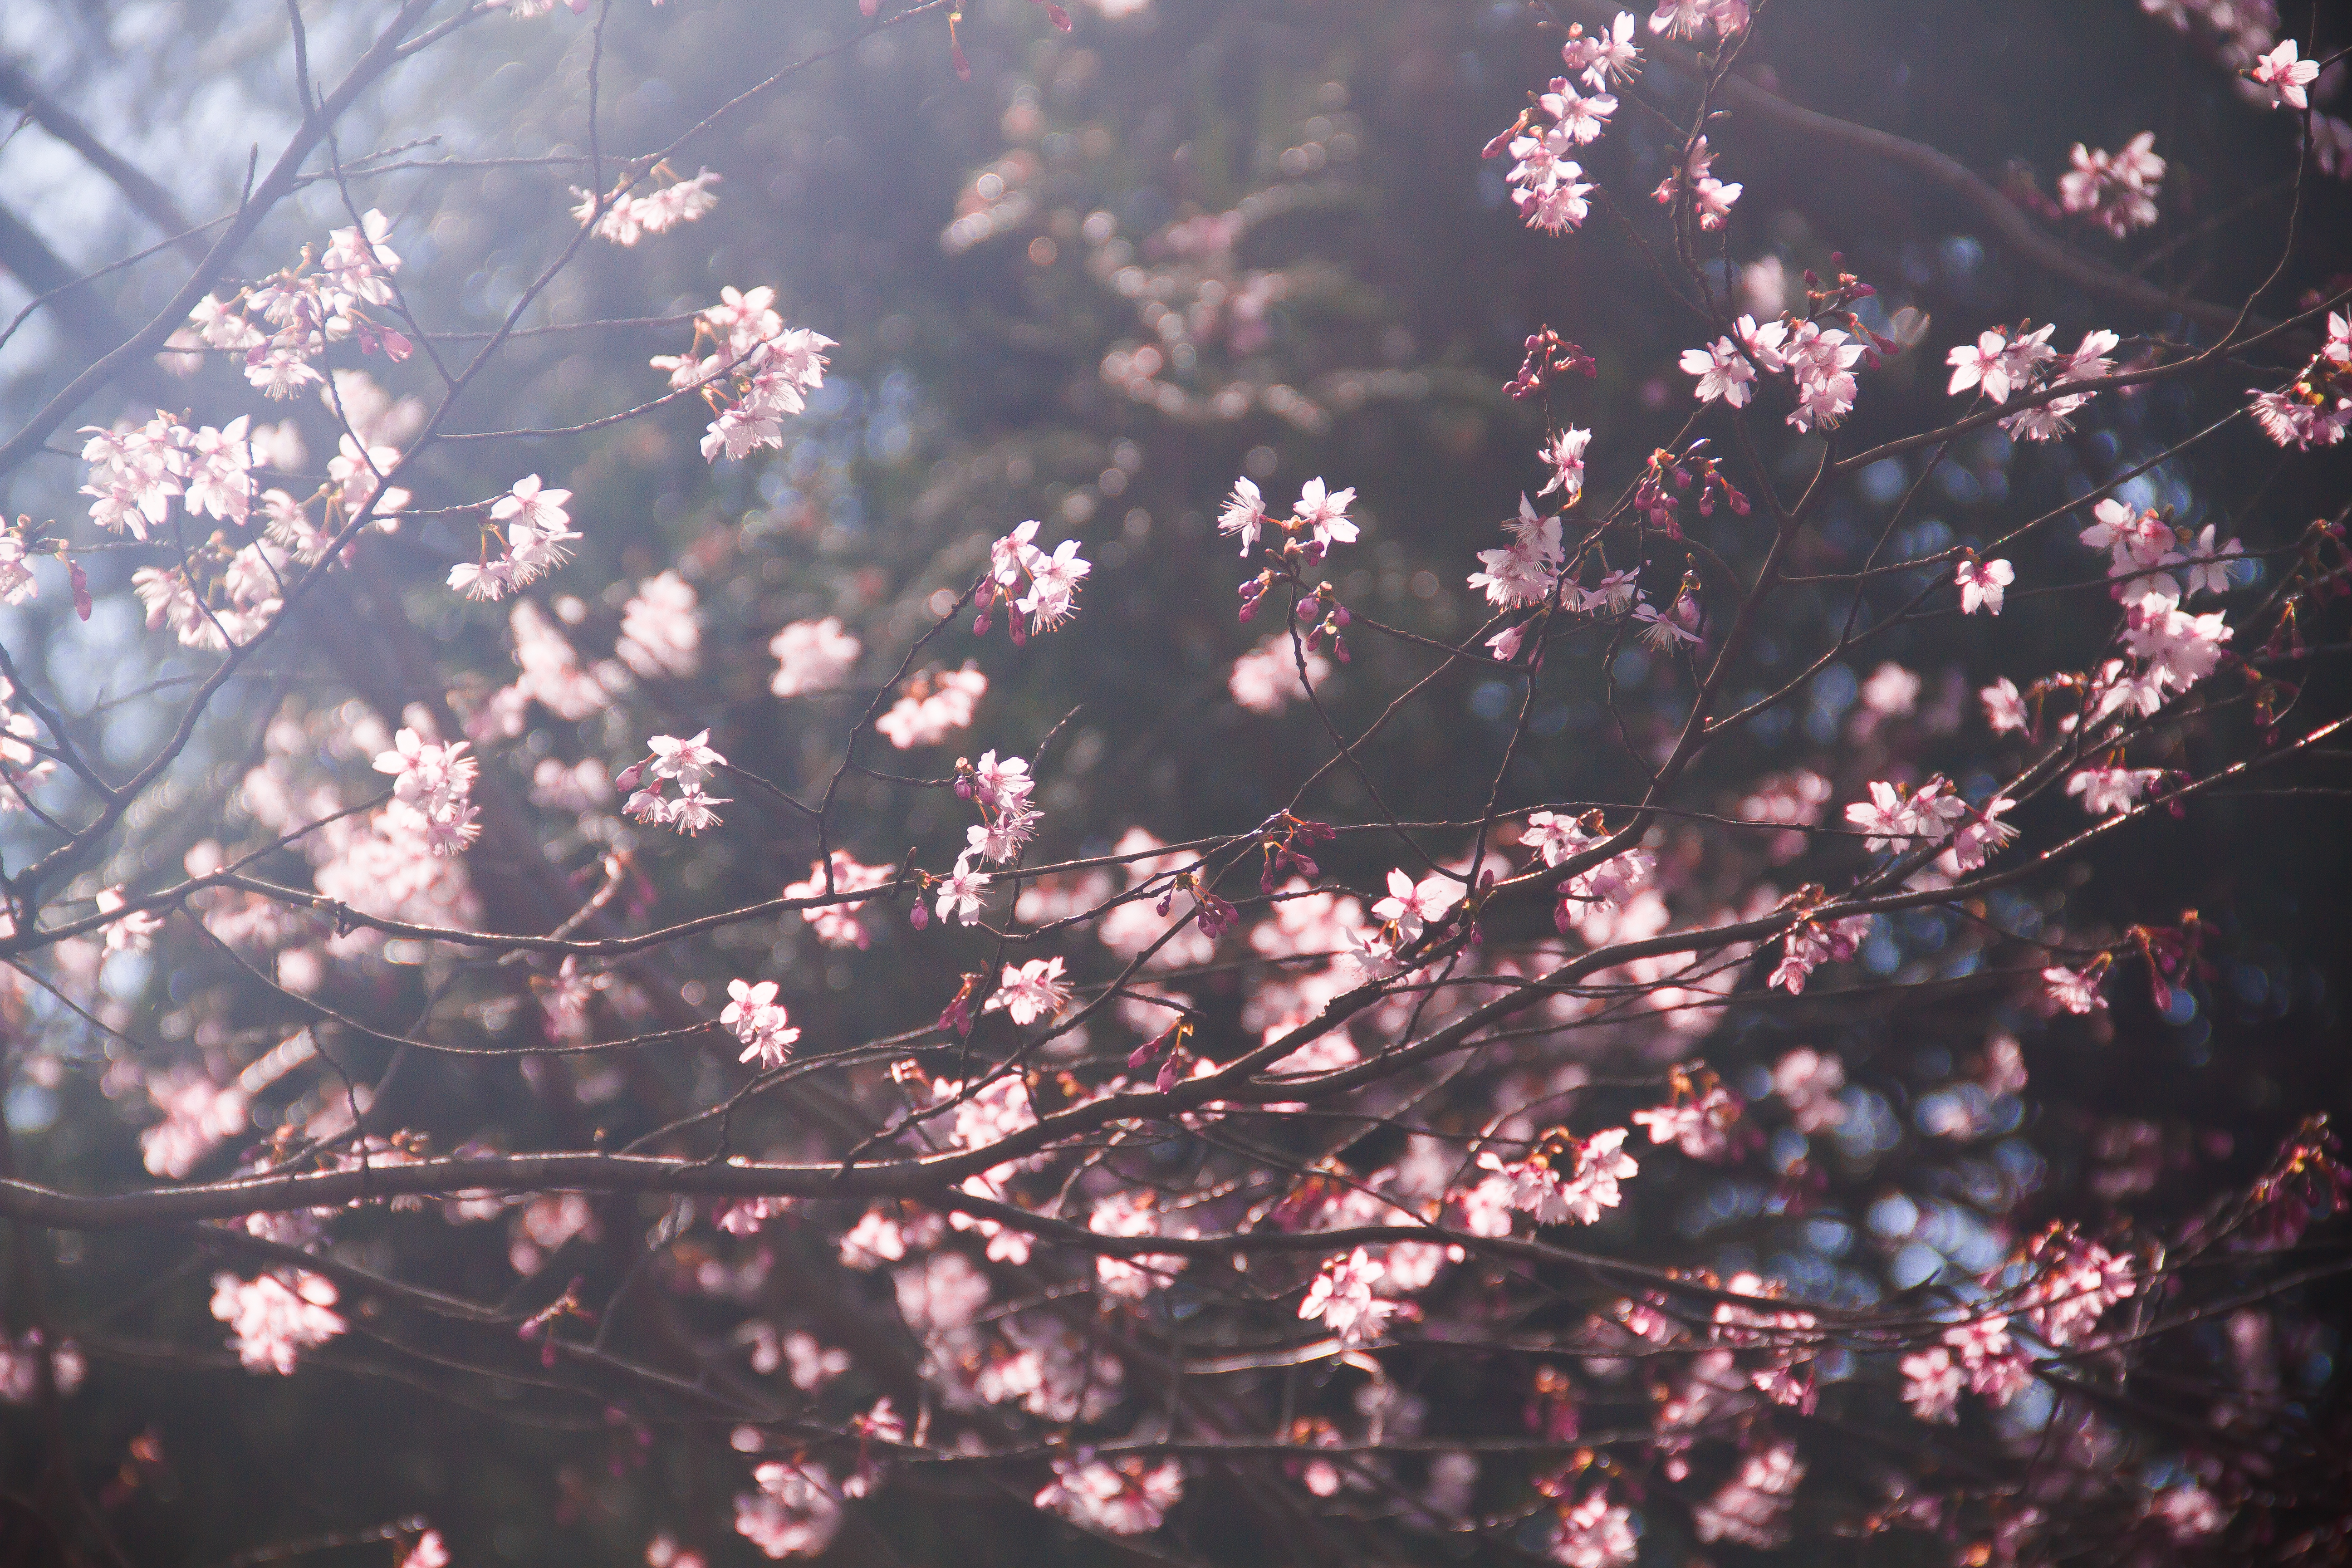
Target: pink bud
(628,778)
(919,916)
(1167,1079)
(963,66)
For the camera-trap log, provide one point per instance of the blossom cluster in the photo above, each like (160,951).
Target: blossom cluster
(136,472)
(285,322)
(1567,1180)
(755,1017)
(628,218)
(756,373)
(1122,1497)
(273,1319)
(431,790)
(2315,408)
(2117,190)
(688,763)
(1818,361)
(1052,581)
(934,706)
(536,541)
(2004,363)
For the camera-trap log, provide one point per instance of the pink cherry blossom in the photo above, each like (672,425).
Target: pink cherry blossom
(1982,584)
(1342,1296)
(2285,75)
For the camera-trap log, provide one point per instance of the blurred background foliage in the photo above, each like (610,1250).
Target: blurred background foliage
(1091,285)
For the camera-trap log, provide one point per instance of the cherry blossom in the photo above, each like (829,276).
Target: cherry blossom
(1723,373)
(2005,709)
(1245,514)
(1601,55)
(1035,990)
(2076,991)
(2075,1284)
(961,892)
(689,761)
(20,1368)
(431,784)
(934,707)
(1594,1533)
(1982,584)
(1810,1082)
(1581,118)
(1699,1126)
(198,1116)
(1342,1296)
(2301,419)
(1135,1276)
(1564,454)
(1323,512)
(1822,363)
(1524,572)
(759,1021)
(1981,838)
(759,374)
(2190,1514)
(1712,199)
(1999,361)
(1751,1509)
(2208,564)
(1571,1187)
(1127,1497)
(1549,191)
(2285,77)
(1442,1044)
(1265,680)
(629,218)
(837,925)
(1413,907)
(2117,190)
(1810,943)
(1932,1384)
(274,1319)
(813,656)
(1688,19)
(794,1513)
(1896,816)
(428,1551)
